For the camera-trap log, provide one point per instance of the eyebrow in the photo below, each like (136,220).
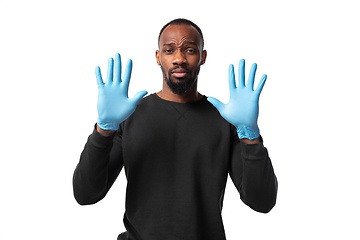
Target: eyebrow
(186,42)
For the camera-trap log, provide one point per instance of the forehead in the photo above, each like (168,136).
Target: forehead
(178,34)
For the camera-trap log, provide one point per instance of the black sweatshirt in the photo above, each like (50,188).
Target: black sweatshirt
(177,157)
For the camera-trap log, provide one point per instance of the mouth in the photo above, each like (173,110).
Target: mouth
(179,73)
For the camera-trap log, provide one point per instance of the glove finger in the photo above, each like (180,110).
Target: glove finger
(232,84)
(216,103)
(261,84)
(98,77)
(241,73)
(117,77)
(250,83)
(110,71)
(127,74)
(138,96)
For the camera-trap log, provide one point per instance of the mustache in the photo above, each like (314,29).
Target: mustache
(179,67)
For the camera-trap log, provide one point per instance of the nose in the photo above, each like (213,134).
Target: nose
(179,58)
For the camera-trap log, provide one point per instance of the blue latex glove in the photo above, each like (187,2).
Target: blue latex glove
(243,108)
(113,104)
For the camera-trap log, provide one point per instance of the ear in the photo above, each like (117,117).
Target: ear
(203,57)
(157,55)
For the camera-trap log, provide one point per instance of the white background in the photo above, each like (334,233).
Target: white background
(309,111)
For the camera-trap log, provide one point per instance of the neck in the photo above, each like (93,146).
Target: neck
(192,96)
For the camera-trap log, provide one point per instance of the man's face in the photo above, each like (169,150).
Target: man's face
(180,56)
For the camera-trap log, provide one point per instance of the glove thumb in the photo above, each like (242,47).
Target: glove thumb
(216,103)
(138,96)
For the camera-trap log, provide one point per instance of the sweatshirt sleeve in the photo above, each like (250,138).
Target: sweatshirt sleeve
(99,166)
(252,173)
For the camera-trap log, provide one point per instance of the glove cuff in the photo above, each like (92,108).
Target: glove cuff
(107,125)
(248,132)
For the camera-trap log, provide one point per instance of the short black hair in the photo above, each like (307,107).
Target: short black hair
(180,21)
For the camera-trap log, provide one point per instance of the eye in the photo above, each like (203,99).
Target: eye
(190,50)
(168,50)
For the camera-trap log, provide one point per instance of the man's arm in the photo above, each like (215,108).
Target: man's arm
(253,175)
(251,169)
(100,162)
(98,168)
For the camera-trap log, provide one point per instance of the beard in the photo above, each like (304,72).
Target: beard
(180,86)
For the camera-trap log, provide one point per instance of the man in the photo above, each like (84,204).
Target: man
(177,150)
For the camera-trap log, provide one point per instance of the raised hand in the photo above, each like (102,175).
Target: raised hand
(113,104)
(242,110)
